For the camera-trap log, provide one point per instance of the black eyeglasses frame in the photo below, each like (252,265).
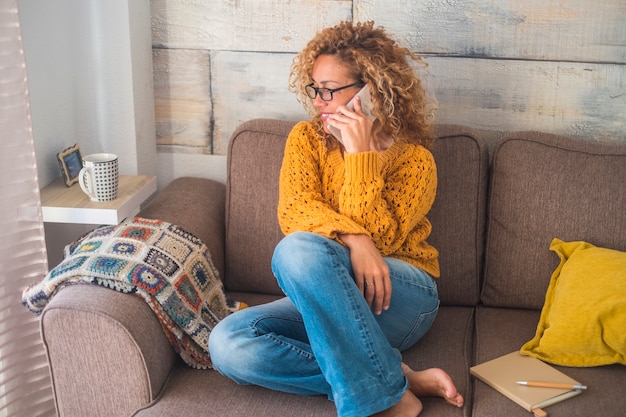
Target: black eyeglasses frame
(321,91)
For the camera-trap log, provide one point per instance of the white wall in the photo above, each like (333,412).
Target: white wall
(89,69)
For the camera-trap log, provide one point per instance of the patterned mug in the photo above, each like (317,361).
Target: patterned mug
(99,176)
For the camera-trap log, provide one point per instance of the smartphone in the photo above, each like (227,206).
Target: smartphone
(366,106)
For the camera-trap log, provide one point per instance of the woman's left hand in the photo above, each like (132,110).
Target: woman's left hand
(371,272)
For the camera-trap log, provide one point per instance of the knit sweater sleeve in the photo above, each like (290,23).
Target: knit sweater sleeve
(385,196)
(303,203)
(390,195)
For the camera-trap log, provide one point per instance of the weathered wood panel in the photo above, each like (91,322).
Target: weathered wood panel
(572,99)
(552,65)
(248,85)
(244,25)
(568,30)
(182,96)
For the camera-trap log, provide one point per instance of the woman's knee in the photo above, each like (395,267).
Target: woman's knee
(302,249)
(295,247)
(227,343)
(219,344)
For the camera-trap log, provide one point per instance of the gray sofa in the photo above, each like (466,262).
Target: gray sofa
(501,199)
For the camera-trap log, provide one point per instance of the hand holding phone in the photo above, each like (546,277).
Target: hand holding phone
(366,107)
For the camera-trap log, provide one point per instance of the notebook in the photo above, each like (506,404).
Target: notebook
(503,373)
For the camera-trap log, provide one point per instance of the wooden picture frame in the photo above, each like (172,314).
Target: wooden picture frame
(70,163)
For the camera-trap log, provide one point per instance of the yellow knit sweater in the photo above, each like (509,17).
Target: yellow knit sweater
(383,195)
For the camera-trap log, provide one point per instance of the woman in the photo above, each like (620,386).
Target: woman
(355,264)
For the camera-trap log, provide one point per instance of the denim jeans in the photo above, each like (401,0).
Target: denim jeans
(323,338)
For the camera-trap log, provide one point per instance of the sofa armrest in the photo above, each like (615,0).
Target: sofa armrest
(197,205)
(107,351)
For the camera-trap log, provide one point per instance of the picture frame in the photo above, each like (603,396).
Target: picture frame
(70,163)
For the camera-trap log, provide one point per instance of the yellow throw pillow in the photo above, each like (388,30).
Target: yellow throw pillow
(583,321)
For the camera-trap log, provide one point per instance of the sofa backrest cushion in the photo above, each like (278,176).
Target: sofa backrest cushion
(458,215)
(545,186)
(255,154)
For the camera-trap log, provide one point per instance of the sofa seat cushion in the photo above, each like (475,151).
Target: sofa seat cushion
(207,393)
(447,345)
(191,392)
(500,331)
(545,186)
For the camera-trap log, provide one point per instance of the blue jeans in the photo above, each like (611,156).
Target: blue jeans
(323,338)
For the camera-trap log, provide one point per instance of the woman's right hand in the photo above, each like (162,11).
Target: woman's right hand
(355,126)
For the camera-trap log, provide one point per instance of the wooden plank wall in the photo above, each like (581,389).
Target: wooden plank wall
(552,65)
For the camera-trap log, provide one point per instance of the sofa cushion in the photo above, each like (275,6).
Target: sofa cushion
(459,212)
(583,321)
(191,392)
(447,345)
(204,218)
(255,154)
(545,186)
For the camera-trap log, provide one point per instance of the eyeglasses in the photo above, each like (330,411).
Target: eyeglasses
(326,94)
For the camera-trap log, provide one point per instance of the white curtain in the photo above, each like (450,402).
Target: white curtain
(25,388)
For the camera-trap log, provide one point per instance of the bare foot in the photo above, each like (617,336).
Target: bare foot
(408,406)
(433,382)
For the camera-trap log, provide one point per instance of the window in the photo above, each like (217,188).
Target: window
(25,389)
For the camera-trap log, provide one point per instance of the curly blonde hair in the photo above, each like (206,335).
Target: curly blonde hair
(399,99)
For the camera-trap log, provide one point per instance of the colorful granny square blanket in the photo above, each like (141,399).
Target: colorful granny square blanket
(169,268)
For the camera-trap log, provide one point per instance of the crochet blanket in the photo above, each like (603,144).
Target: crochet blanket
(169,268)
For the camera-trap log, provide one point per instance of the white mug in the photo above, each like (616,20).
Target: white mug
(99,176)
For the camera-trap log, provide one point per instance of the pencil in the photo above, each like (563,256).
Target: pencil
(542,384)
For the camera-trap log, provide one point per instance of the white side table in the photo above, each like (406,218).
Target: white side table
(61,204)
